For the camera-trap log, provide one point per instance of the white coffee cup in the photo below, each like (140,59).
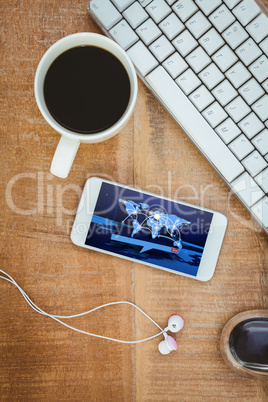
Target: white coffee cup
(70,140)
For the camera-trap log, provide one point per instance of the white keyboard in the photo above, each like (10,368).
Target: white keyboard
(206,62)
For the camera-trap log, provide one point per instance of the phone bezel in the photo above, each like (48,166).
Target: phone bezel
(211,250)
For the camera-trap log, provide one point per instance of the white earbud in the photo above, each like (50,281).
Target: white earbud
(175,324)
(167,345)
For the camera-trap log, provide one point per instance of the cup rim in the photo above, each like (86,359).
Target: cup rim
(102,42)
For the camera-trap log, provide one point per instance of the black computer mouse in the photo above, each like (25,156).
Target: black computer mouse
(244,343)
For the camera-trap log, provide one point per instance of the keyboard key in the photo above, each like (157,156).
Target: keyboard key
(148,31)
(185,43)
(262,180)
(248,52)
(224,92)
(214,114)
(254,163)
(258,28)
(264,46)
(211,76)
(106,12)
(211,41)
(265,85)
(188,116)
(231,3)
(246,11)
(188,81)
(222,18)
(175,65)
(235,35)
(170,2)
(201,98)
(198,59)
(184,9)
(251,91)
(260,68)
(142,58)
(241,147)
(224,58)
(135,15)
(144,3)
(121,5)
(207,6)
(171,26)
(260,210)
(158,10)
(228,130)
(198,24)
(237,109)
(261,142)
(161,48)
(261,108)
(246,188)
(251,125)
(123,34)
(238,74)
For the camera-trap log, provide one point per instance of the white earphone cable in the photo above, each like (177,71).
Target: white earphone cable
(57,317)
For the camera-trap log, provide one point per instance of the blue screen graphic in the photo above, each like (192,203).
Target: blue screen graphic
(149,229)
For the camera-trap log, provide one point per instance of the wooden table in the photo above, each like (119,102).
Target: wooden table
(43,361)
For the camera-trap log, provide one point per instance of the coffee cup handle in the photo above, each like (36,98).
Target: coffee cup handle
(64,157)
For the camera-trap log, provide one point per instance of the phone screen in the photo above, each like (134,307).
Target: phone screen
(149,229)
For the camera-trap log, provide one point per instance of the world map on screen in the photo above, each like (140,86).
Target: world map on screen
(144,217)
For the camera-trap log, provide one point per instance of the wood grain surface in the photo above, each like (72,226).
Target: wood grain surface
(43,361)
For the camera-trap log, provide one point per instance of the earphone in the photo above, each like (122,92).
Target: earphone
(175,322)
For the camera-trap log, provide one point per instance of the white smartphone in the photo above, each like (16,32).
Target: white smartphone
(143,227)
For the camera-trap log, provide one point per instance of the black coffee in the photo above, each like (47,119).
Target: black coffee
(86,89)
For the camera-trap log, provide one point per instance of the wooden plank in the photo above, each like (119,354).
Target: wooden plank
(41,360)
(167,163)
(44,361)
